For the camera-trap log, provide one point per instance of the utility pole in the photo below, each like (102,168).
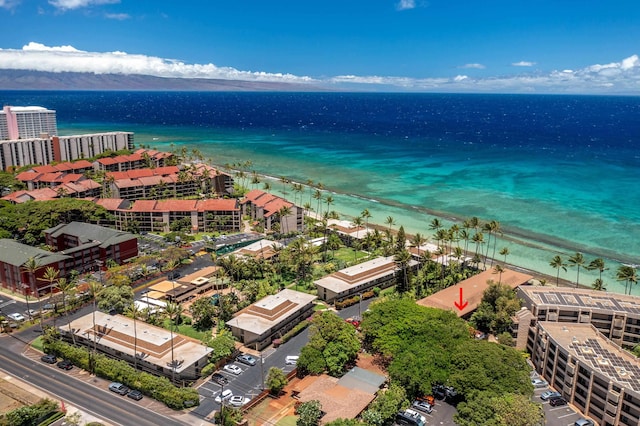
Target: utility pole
(221,404)
(261,367)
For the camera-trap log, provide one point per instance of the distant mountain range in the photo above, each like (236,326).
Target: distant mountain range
(39,80)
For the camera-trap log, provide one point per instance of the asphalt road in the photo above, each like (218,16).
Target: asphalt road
(95,400)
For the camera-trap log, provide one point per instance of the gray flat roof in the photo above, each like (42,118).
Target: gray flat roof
(584,342)
(582,298)
(87,232)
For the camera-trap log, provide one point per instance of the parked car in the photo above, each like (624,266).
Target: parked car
(291,360)
(420,419)
(439,391)
(423,406)
(549,394)
(557,401)
(226,394)
(583,422)
(219,379)
(135,394)
(31,313)
(429,399)
(49,359)
(238,400)
(16,316)
(539,383)
(232,368)
(246,359)
(119,388)
(65,364)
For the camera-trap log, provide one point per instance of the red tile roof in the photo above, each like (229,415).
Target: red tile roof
(28,176)
(218,204)
(111,204)
(177,205)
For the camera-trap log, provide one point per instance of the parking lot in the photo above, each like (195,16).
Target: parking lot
(442,414)
(563,415)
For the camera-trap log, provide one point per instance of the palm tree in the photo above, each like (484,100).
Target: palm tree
(598,264)
(133,310)
(366,215)
(478,240)
(402,259)
(390,221)
(317,195)
(172,310)
(558,264)
(67,287)
(329,200)
(51,275)
(495,229)
(357,222)
(31,266)
(94,288)
(504,252)
(283,213)
(627,274)
(498,270)
(598,285)
(417,241)
(578,261)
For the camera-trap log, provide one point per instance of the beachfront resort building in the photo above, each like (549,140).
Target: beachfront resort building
(272,212)
(216,214)
(26,122)
(590,371)
(616,316)
(379,272)
(87,244)
(140,159)
(158,351)
(259,324)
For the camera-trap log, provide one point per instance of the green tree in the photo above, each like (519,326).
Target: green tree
(627,274)
(203,313)
(115,297)
(577,260)
(309,413)
(387,403)
(332,342)
(557,263)
(276,380)
(499,303)
(517,410)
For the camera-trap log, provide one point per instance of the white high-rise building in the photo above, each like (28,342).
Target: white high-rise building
(27,122)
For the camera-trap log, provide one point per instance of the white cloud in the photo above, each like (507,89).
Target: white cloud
(9,4)
(523,64)
(117,16)
(616,77)
(77,4)
(406,4)
(38,57)
(476,66)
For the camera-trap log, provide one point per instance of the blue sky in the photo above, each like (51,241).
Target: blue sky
(437,45)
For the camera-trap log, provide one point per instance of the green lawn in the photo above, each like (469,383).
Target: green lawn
(346,254)
(187,330)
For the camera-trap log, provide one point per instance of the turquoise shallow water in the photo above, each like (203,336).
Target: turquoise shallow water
(559,173)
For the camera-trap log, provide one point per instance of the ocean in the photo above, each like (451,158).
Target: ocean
(560,173)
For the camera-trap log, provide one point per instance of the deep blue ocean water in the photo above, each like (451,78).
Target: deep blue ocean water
(560,173)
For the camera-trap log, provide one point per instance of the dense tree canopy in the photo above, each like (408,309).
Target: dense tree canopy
(499,304)
(416,341)
(425,346)
(333,344)
(28,220)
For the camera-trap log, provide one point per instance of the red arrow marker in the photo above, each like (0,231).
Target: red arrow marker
(461,305)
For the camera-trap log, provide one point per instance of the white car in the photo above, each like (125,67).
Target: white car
(291,360)
(539,383)
(16,316)
(238,401)
(226,394)
(232,368)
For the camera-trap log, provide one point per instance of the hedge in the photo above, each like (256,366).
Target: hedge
(355,299)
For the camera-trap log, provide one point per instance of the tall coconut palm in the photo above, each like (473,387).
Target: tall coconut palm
(67,287)
(172,310)
(495,229)
(31,266)
(417,241)
(94,289)
(504,252)
(329,200)
(51,275)
(133,311)
(598,285)
(599,265)
(478,240)
(317,195)
(390,221)
(366,215)
(357,222)
(577,260)
(627,273)
(402,259)
(284,223)
(498,269)
(558,264)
